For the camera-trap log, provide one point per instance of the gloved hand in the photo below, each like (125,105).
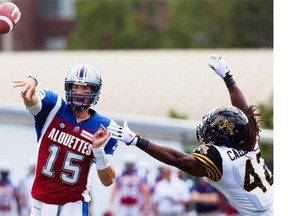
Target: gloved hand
(219,65)
(123,134)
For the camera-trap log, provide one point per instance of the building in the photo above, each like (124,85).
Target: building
(45,25)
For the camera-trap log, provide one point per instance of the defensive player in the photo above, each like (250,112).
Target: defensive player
(66,142)
(229,155)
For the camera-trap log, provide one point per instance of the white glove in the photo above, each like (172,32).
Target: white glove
(123,134)
(219,65)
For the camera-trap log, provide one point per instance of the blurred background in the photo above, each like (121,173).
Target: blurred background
(153,58)
(116,24)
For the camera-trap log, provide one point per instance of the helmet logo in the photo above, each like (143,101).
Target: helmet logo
(224,125)
(81,75)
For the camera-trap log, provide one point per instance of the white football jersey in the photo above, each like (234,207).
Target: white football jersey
(241,176)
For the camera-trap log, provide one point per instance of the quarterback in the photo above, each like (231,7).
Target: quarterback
(228,157)
(66,133)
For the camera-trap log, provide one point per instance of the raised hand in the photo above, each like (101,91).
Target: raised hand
(100,137)
(219,65)
(123,133)
(28,90)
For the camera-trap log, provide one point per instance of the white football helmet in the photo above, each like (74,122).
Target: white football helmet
(83,74)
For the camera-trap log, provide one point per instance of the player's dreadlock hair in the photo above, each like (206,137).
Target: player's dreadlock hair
(253,129)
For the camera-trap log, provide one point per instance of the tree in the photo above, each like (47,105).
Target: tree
(136,24)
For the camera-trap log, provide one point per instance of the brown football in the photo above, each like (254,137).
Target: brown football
(9,17)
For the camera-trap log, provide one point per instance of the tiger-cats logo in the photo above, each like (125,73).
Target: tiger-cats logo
(224,125)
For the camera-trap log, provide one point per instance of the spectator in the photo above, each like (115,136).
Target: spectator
(24,190)
(205,198)
(170,195)
(188,181)
(131,190)
(7,192)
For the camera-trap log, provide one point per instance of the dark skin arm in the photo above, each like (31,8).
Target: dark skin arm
(183,161)
(187,162)
(173,157)
(237,98)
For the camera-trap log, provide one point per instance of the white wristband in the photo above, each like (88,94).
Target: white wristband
(101,159)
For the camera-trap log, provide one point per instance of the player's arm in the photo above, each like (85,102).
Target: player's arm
(219,66)
(106,175)
(28,90)
(166,154)
(105,170)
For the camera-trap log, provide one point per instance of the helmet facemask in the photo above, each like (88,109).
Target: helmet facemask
(201,132)
(80,102)
(85,75)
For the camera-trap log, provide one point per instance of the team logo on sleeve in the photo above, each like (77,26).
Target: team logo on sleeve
(203,149)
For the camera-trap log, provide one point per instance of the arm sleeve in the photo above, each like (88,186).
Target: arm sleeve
(209,157)
(36,108)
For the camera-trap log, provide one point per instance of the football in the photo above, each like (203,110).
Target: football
(9,17)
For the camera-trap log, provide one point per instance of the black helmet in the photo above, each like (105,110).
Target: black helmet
(224,126)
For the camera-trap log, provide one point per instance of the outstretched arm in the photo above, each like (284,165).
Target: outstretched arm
(171,156)
(219,66)
(237,98)
(165,154)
